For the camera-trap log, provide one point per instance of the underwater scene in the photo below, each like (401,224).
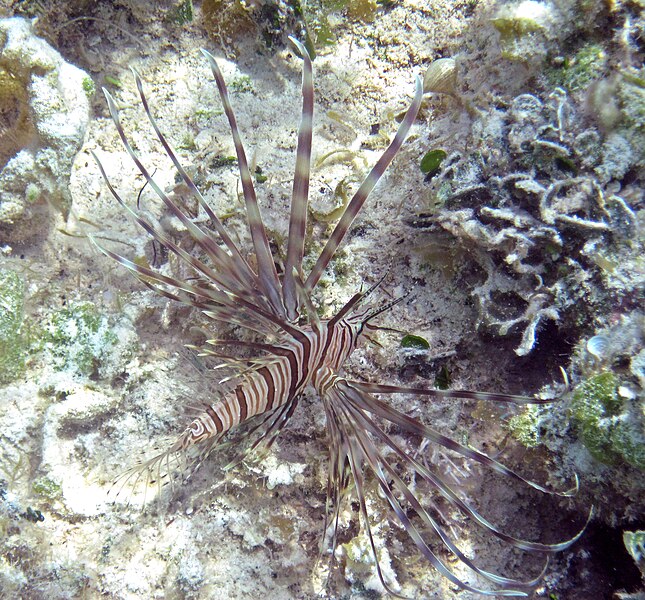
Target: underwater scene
(338,299)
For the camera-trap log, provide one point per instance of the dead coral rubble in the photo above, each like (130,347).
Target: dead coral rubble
(537,203)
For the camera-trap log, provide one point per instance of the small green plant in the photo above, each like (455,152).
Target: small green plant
(187,142)
(181,14)
(207,113)
(222,161)
(32,193)
(46,488)
(113,81)
(241,84)
(578,71)
(260,177)
(431,162)
(415,341)
(525,427)
(88,87)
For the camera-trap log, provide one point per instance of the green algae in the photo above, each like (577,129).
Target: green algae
(47,489)
(241,84)
(13,342)
(415,341)
(525,427)
(431,162)
(182,13)
(578,71)
(604,426)
(89,87)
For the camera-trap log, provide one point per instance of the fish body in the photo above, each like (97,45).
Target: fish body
(303,350)
(314,357)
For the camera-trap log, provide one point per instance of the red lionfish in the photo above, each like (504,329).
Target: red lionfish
(300,352)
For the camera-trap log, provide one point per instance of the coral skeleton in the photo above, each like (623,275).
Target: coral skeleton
(529,200)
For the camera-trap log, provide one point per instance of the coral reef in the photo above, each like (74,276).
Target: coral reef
(543,220)
(539,203)
(82,341)
(43,119)
(562,113)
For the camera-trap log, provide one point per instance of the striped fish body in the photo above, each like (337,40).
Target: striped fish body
(313,358)
(225,286)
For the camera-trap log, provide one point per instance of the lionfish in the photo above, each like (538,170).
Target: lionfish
(301,350)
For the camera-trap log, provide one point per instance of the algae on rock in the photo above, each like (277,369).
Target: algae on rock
(45,112)
(540,215)
(607,430)
(78,338)
(13,343)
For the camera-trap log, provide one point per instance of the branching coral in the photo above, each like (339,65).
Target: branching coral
(533,202)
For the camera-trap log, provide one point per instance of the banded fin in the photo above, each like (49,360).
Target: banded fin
(267,274)
(356,441)
(300,195)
